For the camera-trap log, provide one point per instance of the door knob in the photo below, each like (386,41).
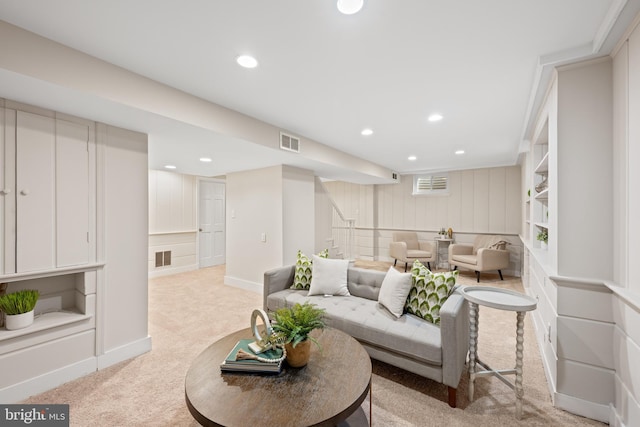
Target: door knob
(199,229)
(24,192)
(5,191)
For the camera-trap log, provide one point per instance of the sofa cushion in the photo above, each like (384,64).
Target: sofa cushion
(364,283)
(467,259)
(394,291)
(304,269)
(429,291)
(329,277)
(369,322)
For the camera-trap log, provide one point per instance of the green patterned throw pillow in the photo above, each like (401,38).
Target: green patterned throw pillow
(429,291)
(304,268)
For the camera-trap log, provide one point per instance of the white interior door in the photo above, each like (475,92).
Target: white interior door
(211,217)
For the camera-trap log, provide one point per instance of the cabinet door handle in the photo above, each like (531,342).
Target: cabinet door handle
(24,192)
(5,191)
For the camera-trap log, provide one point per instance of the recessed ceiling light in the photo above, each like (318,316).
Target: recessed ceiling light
(412,158)
(169,167)
(435,117)
(247,61)
(459,151)
(349,7)
(367,132)
(205,159)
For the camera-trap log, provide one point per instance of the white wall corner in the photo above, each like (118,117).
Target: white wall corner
(125,352)
(584,408)
(243,284)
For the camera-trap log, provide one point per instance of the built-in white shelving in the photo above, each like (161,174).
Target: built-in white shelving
(543,195)
(543,166)
(44,322)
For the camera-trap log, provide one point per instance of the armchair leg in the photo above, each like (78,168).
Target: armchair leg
(429,265)
(452,396)
(405,266)
(478,276)
(500,273)
(455,267)
(395,262)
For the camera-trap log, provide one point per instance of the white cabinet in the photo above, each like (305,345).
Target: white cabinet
(47,204)
(73,231)
(63,182)
(35,192)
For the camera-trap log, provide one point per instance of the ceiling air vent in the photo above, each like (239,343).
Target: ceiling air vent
(289,142)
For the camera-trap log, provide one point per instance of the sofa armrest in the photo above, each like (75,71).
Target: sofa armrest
(398,250)
(492,259)
(275,280)
(454,330)
(428,246)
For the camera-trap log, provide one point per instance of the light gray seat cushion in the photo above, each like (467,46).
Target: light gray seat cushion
(369,322)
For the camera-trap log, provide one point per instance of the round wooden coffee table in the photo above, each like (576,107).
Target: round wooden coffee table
(329,389)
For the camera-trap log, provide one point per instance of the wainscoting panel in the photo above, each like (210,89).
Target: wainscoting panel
(479,201)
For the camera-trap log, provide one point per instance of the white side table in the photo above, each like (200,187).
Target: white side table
(501,299)
(445,244)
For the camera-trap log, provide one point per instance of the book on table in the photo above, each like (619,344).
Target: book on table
(231,364)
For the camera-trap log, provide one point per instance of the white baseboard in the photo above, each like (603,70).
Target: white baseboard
(575,405)
(124,352)
(174,270)
(243,284)
(21,391)
(615,420)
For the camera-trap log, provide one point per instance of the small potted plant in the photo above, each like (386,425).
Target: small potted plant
(292,326)
(543,237)
(18,308)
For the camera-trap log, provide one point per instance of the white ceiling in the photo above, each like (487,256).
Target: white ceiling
(325,76)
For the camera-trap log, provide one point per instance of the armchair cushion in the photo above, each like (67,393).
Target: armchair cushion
(406,247)
(467,259)
(485,241)
(488,252)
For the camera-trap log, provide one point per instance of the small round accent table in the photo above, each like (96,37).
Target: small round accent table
(501,299)
(326,392)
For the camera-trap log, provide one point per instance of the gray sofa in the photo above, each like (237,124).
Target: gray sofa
(410,343)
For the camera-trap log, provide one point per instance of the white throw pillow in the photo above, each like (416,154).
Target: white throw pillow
(394,291)
(329,277)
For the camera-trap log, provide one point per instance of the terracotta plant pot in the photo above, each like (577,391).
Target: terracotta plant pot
(299,356)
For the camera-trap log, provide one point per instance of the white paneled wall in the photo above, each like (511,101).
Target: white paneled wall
(479,201)
(172,221)
(626,231)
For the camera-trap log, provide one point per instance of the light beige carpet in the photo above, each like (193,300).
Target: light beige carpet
(189,311)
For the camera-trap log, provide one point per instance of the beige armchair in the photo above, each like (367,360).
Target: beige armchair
(486,253)
(406,248)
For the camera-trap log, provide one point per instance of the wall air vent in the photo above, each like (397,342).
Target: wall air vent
(394,176)
(289,142)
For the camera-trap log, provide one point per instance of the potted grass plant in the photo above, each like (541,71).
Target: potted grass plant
(292,326)
(18,308)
